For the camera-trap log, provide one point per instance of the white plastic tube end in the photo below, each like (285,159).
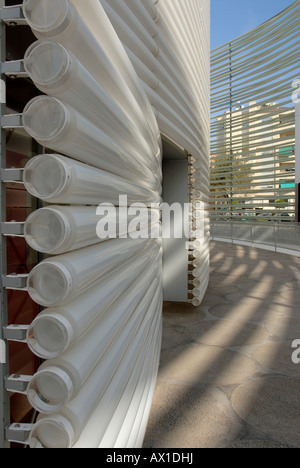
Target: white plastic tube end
(49,390)
(49,283)
(46,119)
(46,176)
(52,432)
(49,335)
(46,230)
(197,292)
(196,302)
(47,16)
(47,63)
(197,282)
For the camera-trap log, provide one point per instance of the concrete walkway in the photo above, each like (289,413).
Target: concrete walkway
(226,377)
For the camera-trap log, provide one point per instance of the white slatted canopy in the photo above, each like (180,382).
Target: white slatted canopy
(253,121)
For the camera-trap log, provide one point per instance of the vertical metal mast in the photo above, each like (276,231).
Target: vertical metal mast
(4,367)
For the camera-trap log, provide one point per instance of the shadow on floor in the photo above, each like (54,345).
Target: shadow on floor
(226,376)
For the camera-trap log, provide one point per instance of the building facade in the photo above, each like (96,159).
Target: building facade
(105,116)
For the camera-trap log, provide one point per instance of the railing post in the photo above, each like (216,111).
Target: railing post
(297,157)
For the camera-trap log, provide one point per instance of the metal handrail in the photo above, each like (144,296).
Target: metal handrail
(272,236)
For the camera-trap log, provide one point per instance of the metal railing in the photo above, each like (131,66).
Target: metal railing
(284,238)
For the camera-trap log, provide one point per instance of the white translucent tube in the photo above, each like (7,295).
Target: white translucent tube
(134,394)
(97,425)
(60,21)
(146,50)
(126,421)
(139,427)
(198,262)
(176,120)
(200,214)
(188,45)
(63,429)
(151,8)
(57,126)
(59,380)
(146,20)
(200,176)
(57,72)
(163,91)
(142,45)
(197,300)
(198,195)
(197,243)
(202,266)
(175,133)
(202,172)
(57,179)
(59,229)
(55,330)
(59,279)
(198,253)
(196,282)
(119,12)
(93,15)
(175,42)
(201,185)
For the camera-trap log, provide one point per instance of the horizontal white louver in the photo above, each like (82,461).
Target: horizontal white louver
(253,122)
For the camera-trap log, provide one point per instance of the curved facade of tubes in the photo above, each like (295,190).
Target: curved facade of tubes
(117,78)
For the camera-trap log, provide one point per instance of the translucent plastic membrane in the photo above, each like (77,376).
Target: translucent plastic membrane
(46,15)
(107,409)
(151,82)
(58,73)
(149,48)
(59,380)
(159,68)
(93,14)
(175,78)
(60,21)
(128,425)
(146,50)
(65,427)
(58,279)
(55,330)
(58,179)
(59,229)
(58,126)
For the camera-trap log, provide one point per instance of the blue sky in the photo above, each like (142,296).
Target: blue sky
(232,18)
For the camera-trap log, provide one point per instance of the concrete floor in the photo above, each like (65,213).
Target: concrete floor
(226,377)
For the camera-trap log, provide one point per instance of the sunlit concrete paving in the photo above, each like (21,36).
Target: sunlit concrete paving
(226,376)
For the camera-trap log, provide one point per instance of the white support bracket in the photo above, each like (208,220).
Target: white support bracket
(14,69)
(15,281)
(16,383)
(19,433)
(11,175)
(12,121)
(12,229)
(13,16)
(15,333)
